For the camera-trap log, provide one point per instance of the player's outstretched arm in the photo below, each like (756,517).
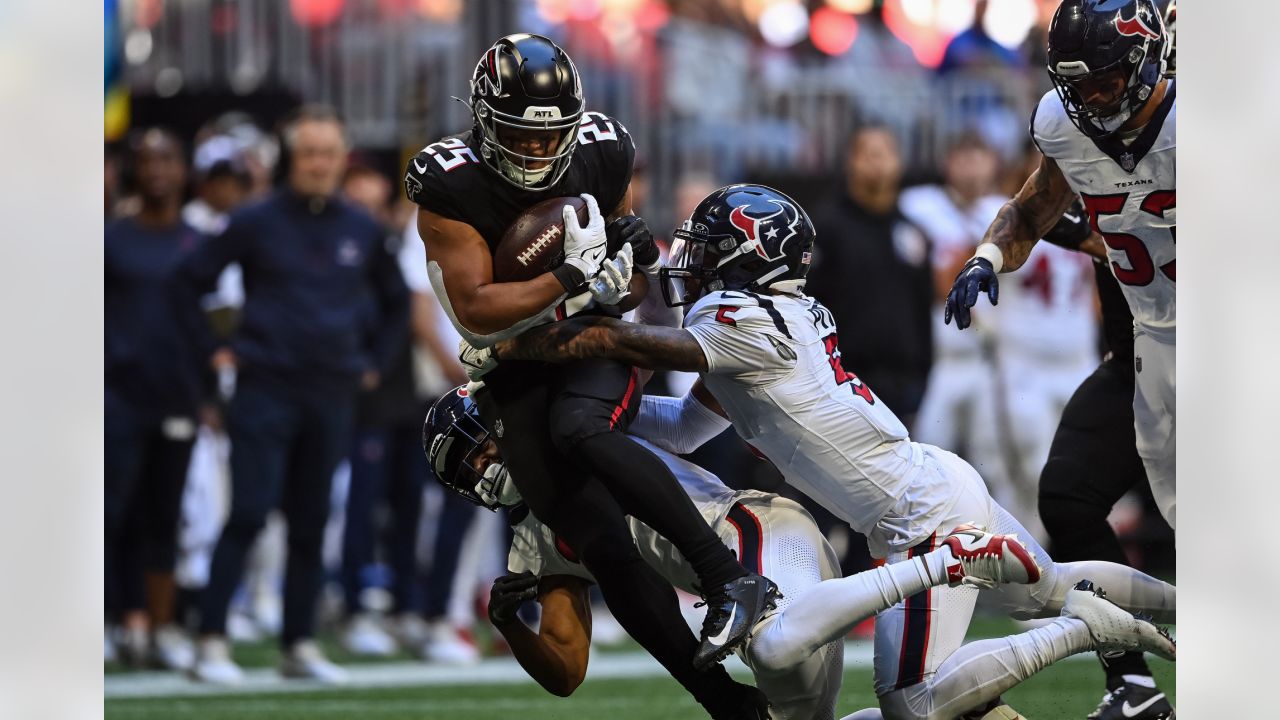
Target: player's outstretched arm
(1021,222)
(1024,219)
(644,346)
(479,304)
(556,656)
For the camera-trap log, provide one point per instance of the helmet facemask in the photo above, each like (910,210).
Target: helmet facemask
(453,453)
(496,134)
(693,267)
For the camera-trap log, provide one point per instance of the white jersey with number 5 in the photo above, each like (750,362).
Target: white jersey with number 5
(1129,190)
(774,364)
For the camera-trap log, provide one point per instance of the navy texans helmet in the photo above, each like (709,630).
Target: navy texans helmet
(1105,59)
(740,237)
(451,437)
(523,86)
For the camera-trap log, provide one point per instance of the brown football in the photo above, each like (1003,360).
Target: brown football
(534,243)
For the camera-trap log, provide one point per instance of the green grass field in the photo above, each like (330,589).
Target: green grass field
(1066,691)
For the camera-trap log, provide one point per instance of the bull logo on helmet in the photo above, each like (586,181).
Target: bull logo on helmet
(1135,26)
(758,230)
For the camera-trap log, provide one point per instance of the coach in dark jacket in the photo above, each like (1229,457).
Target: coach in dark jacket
(325,313)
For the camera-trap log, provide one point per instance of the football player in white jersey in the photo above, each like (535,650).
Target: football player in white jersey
(770,356)
(795,653)
(1108,134)
(995,395)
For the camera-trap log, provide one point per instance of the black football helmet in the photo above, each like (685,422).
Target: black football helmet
(451,437)
(740,237)
(1105,59)
(526,84)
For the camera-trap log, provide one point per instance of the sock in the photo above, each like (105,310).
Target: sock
(647,490)
(981,671)
(827,611)
(1122,667)
(1143,680)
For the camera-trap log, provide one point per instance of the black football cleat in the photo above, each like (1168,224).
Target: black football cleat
(733,609)
(1133,702)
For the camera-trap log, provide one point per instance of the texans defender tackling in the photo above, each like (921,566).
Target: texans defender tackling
(1108,134)
(796,654)
(533,140)
(770,356)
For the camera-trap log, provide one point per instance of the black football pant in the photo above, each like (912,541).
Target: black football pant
(1093,462)
(145,462)
(534,410)
(286,441)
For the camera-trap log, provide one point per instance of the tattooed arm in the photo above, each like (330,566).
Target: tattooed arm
(1030,214)
(644,346)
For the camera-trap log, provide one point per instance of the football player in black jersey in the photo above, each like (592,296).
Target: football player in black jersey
(1094,461)
(531,140)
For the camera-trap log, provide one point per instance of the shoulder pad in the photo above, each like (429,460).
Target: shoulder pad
(1051,129)
(739,309)
(440,171)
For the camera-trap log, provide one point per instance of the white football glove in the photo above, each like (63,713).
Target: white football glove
(476,361)
(496,488)
(584,246)
(613,282)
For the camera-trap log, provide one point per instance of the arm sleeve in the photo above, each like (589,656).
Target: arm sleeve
(677,425)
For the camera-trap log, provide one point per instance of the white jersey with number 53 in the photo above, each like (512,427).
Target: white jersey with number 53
(1129,190)
(774,364)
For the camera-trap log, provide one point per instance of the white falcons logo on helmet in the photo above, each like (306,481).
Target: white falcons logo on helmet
(487,80)
(768,227)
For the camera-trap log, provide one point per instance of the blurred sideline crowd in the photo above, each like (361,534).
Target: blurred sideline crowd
(273,344)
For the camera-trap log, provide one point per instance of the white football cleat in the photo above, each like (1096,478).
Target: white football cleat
(364,636)
(171,648)
(983,560)
(214,664)
(1113,628)
(305,661)
(447,645)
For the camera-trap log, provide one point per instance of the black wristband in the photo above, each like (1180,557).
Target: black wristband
(569,276)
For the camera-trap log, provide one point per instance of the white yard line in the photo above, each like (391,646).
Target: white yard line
(493,671)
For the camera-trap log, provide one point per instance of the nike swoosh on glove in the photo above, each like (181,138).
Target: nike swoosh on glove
(613,282)
(584,245)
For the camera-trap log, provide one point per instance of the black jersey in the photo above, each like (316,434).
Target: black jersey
(447,178)
(1117,319)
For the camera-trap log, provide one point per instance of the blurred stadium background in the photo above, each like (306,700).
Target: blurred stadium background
(713,91)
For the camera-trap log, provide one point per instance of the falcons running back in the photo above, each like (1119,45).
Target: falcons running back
(796,653)
(532,139)
(770,355)
(1109,135)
